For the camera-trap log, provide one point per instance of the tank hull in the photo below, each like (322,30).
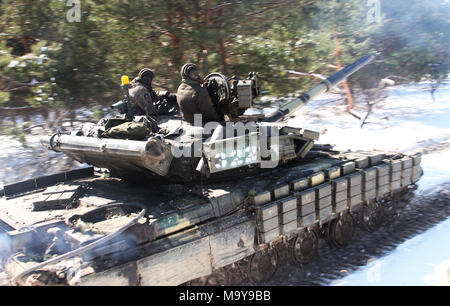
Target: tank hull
(188,235)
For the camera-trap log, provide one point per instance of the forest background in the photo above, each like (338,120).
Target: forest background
(60,55)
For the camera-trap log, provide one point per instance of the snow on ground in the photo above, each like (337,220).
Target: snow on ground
(19,163)
(436,171)
(422,260)
(408,120)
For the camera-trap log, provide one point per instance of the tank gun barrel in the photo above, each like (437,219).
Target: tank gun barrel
(323,87)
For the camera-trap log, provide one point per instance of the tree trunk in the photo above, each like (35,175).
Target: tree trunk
(223,55)
(339,64)
(203,59)
(222,50)
(174,15)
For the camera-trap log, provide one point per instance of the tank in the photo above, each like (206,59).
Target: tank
(196,204)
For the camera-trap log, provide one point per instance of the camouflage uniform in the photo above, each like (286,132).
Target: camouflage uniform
(144,100)
(193,99)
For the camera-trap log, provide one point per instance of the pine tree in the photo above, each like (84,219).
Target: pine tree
(67,64)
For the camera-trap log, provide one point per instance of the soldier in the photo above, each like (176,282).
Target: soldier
(145,101)
(192,98)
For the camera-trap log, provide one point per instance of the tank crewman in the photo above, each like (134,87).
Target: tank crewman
(144,100)
(192,98)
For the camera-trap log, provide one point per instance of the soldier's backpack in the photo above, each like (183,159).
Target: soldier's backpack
(128,130)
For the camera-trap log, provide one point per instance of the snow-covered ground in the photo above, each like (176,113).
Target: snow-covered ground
(422,260)
(19,163)
(408,120)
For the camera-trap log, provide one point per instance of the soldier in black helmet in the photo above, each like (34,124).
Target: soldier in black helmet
(145,101)
(193,98)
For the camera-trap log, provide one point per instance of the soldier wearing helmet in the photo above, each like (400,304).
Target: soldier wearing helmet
(192,98)
(144,100)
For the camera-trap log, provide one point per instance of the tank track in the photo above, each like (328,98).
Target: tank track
(403,219)
(386,209)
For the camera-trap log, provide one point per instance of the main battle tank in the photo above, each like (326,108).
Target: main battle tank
(211,198)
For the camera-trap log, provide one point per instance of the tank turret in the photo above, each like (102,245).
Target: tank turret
(180,152)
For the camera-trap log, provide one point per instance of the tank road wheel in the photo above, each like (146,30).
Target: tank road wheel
(304,247)
(263,265)
(372,216)
(341,230)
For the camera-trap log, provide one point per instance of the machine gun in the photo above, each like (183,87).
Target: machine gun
(233,100)
(232,96)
